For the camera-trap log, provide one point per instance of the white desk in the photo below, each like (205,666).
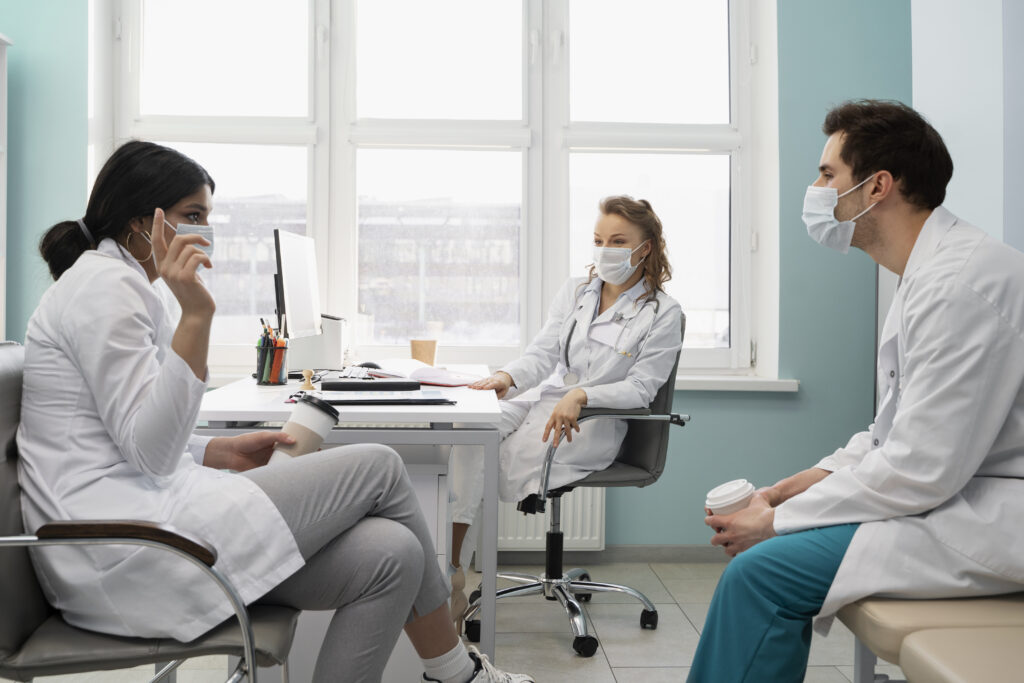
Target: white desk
(243,406)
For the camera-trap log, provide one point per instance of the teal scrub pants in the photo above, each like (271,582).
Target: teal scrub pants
(758,628)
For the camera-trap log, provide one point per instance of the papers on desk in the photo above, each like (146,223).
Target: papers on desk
(423,373)
(363,398)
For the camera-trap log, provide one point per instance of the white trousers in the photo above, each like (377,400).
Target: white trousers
(466,466)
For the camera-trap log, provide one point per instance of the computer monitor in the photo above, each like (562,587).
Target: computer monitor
(298,291)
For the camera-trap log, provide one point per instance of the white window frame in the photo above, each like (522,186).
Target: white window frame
(545,135)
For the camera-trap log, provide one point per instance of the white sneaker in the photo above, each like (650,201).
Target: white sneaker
(487,673)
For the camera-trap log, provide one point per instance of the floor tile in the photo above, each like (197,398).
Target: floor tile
(651,674)
(635,575)
(696,612)
(824,674)
(667,571)
(525,616)
(625,644)
(834,650)
(550,658)
(691,590)
(893,672)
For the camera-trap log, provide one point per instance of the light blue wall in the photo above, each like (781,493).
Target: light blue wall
(829,51)
(1013,115)
(47,137)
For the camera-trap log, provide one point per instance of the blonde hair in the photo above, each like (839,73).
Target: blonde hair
(657,270)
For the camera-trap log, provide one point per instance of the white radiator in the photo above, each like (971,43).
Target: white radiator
(582,523)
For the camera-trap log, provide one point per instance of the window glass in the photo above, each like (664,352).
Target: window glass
(224,58)
(448,59)
(439,246)
(690,194)
(649,61)
(258,188)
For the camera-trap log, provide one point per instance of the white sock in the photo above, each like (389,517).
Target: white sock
(454,666)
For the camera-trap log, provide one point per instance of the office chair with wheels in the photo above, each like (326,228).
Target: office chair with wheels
(36,641)
(639,463)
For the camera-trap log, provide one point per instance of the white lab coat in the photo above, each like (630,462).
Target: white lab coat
(936,481)
(107,414)
(622,358)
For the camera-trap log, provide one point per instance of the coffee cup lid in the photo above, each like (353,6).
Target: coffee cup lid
(321,404)
(729,492)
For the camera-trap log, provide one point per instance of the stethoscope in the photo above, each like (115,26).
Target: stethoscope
(571,377)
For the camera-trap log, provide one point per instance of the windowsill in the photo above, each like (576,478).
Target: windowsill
(735,383)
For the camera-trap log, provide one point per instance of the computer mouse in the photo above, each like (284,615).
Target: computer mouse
(369,364)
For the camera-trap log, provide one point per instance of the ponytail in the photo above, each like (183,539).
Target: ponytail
(61,246)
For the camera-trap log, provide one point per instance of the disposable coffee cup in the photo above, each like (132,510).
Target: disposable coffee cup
(309,423)
(423,350)
(730,497)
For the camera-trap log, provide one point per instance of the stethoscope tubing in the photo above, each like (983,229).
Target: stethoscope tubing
(618,316)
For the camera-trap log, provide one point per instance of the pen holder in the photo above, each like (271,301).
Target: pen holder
(271,365)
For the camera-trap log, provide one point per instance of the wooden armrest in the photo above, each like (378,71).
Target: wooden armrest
(614,412)
(128,528)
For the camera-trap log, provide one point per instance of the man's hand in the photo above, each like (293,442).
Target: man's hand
(743,529)
(243,452)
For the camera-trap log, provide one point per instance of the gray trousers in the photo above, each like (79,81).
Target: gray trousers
(369,556)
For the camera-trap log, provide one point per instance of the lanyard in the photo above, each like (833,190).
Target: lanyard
(571,377)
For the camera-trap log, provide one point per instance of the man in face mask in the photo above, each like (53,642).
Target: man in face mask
(926,501)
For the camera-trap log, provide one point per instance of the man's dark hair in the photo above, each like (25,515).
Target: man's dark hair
(885,135)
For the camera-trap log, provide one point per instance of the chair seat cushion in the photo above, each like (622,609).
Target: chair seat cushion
(617,474)
(961,655)
(882,623)
(58,648)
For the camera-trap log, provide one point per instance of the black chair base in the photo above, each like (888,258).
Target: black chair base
(572,588)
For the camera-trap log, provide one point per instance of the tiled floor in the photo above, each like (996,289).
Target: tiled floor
(534,635)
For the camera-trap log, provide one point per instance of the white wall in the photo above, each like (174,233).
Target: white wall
(958,86)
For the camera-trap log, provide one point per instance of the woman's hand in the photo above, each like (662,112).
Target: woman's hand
(177,263)
(500,382)
(563,417)
(743,529)
(243,452)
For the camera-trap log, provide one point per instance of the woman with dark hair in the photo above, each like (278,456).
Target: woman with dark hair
(112,388)
(610,340)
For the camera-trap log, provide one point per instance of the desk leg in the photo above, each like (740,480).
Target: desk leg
(489,580)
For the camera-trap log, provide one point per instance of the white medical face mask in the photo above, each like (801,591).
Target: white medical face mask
(820,216)
(204,231)
(612,263)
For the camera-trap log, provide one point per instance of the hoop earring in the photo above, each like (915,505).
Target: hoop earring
(127,245)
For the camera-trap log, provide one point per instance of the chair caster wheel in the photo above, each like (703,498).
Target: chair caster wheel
(649,619)
(584,597)
(473,630)
(585,646)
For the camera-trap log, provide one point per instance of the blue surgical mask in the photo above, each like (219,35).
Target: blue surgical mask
(820,216)
(204,231)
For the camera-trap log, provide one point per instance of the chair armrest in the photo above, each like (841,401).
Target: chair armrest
(597,413)
(127,528)
(612,412)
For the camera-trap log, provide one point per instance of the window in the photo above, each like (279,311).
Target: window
(448,156)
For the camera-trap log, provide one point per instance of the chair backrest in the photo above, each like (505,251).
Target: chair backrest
(641,458)
(24,605)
